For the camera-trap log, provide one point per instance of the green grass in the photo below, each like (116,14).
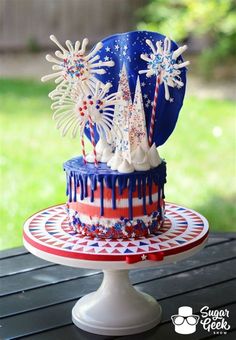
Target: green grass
(200,166)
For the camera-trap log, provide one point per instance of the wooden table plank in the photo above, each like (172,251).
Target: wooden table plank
(39,278)
(64,289)
(48,289)
(12,252)
(166,331)
(72,333)
(54,274)
(73,289)
(20,264)
(69,332)
(39,320)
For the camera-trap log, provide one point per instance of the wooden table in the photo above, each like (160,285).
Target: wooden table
(37,296)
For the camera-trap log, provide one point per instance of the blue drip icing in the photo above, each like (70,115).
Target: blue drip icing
(150,189)
(76,169)
(158,202)
(67,185)
(144,195)
(86,186)
(113,188)
(75,187)
(130,200)
(101,197)
(81,188)
(70,189)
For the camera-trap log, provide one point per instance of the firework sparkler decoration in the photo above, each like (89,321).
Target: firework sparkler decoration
(162,63)
(73,66)
(80,97)
(90,108)
(84,103)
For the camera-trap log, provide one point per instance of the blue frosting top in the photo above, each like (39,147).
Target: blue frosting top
(125,49)
(78,173)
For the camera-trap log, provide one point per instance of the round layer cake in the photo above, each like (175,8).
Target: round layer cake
(104,203)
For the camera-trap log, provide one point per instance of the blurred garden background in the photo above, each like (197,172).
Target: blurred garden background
(201,153)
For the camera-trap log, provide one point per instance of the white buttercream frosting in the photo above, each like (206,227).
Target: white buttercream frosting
(90,157)
(153,156)
(101,145)
(115,161)
(125,167)
(103,150)
(106,155)
(142,158)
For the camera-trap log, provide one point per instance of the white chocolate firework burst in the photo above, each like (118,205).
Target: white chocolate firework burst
(162,63)
(73,66)
(74,113)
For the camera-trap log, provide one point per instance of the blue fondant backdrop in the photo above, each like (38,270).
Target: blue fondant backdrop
(126,48)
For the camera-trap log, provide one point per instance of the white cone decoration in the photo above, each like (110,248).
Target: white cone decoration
(140,159)
(90,157)
(137,121)
(101,145)
(132,151)
(153,155)
(106,155)
(121,117)
(125,167)
(116,160)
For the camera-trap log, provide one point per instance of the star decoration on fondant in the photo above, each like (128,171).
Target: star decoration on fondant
(143,257)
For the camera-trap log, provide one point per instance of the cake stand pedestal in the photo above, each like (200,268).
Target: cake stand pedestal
(116,308)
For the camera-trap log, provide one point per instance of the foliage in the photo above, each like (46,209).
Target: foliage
(214,20)
(32,153)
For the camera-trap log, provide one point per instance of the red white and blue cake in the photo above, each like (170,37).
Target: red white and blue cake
(108,204)
(125,96)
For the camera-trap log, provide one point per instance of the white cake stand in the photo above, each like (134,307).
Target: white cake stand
(116,308)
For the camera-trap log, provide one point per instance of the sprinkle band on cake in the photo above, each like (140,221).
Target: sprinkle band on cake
(107,204)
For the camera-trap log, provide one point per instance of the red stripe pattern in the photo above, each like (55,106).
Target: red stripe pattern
(92,208)
(153,115)
(85,214)
(83,148)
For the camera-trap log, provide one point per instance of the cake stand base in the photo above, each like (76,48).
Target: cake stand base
(116,308)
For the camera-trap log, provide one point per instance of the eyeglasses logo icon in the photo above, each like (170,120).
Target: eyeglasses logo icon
(185,321)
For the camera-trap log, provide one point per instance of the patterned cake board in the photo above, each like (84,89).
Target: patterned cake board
(48,235)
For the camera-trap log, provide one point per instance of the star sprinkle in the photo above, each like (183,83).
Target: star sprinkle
(162,63)
(143,257)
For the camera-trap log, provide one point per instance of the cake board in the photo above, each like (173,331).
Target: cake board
(116,308)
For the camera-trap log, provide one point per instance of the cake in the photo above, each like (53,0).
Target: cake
(108,204)
(125,96)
